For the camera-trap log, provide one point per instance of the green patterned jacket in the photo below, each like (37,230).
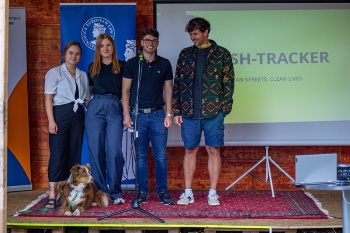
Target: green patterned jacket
(217,87)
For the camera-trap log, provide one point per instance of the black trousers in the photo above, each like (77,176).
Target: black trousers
(66,145)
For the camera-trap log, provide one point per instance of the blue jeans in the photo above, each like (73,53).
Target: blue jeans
(151,128)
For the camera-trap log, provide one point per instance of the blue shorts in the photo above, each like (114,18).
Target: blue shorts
(191,131)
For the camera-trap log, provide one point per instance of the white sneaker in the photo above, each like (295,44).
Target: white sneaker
(213,200)
(185,200)
(119,201)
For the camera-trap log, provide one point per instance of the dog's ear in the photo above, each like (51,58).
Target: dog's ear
(84,170)
(88,167)
(73,170)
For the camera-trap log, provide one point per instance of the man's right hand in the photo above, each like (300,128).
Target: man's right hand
(128,122)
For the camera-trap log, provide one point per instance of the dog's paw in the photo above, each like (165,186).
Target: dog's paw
(105,201)
(76,212)
(68,213)
(94,204)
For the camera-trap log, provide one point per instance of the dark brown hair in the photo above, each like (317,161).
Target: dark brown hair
(198,23)
(149,31)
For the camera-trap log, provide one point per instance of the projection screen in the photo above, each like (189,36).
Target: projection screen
(291,63)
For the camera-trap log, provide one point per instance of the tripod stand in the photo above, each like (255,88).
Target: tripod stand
(134,203)
(268,177)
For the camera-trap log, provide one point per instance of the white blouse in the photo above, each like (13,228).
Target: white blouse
(61,84)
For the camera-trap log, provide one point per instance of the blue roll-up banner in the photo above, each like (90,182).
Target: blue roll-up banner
(84,23)
(18,147)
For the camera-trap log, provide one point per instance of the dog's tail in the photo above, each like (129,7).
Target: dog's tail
(102,199)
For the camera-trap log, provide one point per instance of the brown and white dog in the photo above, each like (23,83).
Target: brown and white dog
(80,192)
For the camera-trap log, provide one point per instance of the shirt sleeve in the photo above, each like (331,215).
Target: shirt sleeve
(176,102)
(228,84)
(51,81)
(86,87)
(128,69)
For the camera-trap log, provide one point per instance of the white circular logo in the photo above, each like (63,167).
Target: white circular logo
(93,28)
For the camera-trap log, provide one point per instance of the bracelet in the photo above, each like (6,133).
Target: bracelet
(169,114)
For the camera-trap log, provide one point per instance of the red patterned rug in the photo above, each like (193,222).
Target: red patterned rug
(255,204)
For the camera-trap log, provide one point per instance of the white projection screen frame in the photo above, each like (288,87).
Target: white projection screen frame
(291,63)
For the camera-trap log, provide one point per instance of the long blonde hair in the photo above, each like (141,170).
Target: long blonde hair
(95,68)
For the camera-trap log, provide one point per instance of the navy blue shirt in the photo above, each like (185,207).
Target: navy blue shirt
(107,82)
(154,74)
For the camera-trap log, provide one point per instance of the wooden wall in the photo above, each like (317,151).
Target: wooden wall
(43,53)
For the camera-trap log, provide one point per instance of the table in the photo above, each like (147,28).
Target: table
(345,188)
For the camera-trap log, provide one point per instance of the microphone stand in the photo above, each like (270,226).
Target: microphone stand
(134,203)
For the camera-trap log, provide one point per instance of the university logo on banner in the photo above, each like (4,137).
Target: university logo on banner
(93,28)
(84,23)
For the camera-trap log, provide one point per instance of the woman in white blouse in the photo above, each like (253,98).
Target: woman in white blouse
(66,90)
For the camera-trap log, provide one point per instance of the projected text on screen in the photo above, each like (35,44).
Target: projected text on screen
(291,67)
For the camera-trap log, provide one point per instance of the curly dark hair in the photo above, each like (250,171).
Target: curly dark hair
(198,23)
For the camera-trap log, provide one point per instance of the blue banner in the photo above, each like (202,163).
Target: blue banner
(84,23)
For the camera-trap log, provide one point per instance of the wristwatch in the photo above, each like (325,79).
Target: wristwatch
(169,114)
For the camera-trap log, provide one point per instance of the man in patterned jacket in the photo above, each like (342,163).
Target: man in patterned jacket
(202,97)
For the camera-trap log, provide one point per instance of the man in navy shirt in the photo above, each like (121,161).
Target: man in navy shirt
(145,78)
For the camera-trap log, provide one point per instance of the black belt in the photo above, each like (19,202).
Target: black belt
(146,110)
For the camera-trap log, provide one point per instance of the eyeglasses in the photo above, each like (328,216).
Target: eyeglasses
(148,41)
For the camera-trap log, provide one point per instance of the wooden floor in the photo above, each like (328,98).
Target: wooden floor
(331,201)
